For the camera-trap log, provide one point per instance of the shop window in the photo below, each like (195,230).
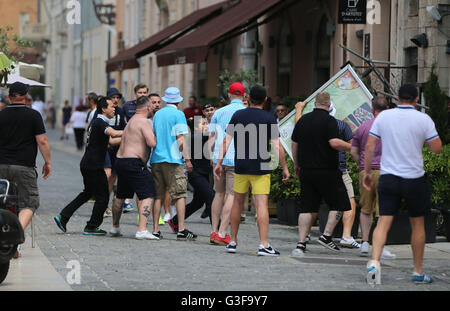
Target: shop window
(411,62)
(322,55)
(285,42)
(413,8)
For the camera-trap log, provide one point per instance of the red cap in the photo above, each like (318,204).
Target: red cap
(237,89)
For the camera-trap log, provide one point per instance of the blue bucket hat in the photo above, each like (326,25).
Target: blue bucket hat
(113,91)
(172,96)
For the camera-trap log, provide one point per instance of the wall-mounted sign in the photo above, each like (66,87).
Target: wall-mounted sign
(352,12)
(367,45)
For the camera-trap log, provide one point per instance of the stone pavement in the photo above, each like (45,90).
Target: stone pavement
(128,264)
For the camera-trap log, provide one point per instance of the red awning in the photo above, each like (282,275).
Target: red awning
(193,47)
(127,59)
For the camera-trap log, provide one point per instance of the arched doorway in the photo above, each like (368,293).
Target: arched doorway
(285,42)
(321,70)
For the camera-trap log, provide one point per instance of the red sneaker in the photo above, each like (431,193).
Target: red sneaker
(173,226)
(212,237)
(222,241)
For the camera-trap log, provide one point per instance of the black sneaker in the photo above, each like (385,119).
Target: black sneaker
(96,231)
(267,251)
(186,235)
(328,243)
(157,234)
(231,247)
(60,222)
(300,250)
(204,214)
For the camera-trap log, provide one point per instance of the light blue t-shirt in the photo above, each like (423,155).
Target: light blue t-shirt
(218,126)
(168,122)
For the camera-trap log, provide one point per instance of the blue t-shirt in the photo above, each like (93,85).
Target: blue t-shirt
(346,134)
(218,126)
(168,122)
(252,129)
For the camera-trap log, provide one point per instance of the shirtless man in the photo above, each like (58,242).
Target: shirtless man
(133,175)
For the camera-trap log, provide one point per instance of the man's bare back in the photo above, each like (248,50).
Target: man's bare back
(137,139)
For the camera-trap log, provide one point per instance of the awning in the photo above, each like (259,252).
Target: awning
(12,78)
(193,47)
(127,59)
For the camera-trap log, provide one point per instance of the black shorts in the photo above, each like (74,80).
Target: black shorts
(322,184)
(134,177)
(416,193)
(110,160)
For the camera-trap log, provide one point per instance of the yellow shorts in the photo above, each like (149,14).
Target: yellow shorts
(260,183)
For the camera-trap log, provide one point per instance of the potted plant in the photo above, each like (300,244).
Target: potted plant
(286,196)
(437,169)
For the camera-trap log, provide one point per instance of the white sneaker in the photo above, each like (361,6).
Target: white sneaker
(173,210)
(386,254)
(373,272)
(115,232)
(145,235)
(364,249)
(167,217)
(298,253)
(349,243)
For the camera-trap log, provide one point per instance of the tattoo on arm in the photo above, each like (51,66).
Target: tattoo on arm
(338,215)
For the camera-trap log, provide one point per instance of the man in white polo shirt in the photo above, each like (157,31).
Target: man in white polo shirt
(403,131)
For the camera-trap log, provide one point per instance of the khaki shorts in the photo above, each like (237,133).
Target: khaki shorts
(169,176)
(226,182)
(348,184)
(26,180)
(369,199)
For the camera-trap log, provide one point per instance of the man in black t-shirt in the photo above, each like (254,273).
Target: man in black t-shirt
(95,182)
(199,176)
(315,146)
(22,131)
(252,130)
(117,123)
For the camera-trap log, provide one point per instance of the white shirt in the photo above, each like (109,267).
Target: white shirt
(403,131)
(40,107)
(79,119)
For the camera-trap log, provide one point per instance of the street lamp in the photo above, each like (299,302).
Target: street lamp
(438,13)
(420,40)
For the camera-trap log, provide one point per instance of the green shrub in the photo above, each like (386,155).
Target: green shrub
(437,102)
(280,191)
(437,168)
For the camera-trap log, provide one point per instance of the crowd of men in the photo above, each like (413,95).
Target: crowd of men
(153,151)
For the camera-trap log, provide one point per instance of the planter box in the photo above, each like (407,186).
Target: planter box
(287,212)
(400,232)
(338,230)
(272,209)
